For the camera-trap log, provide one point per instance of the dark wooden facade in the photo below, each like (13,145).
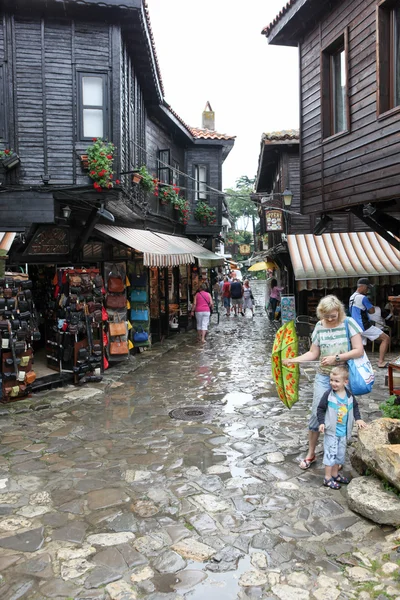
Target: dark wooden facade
(360,165)
(45,48)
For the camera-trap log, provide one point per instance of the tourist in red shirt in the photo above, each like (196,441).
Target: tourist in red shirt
(226,296)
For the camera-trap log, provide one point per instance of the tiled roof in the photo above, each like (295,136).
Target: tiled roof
(153,44)
(266,31)
(207,134)
(280,136)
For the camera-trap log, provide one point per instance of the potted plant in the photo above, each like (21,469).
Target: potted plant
(182,207)
(148,182)
(9,159)
(205,214)
(169,195)
(100,160)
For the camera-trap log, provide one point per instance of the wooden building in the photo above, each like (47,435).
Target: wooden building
(349,140)
(72,71)
(349,107)
(74,74)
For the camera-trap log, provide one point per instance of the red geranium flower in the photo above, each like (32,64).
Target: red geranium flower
(109,156)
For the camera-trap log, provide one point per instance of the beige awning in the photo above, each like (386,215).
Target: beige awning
(157,251)
(205,257)
(332,259)
(6,240)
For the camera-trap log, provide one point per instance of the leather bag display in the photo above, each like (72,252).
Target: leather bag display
(116,301)
(140,336)
(138,296)
(115,283)
(118,348)
(117,329)
(139,314)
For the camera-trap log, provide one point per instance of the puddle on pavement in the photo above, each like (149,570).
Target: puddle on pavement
(236,400)
(202,457)
(224,586)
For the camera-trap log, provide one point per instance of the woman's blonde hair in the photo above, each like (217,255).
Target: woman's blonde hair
(329,304)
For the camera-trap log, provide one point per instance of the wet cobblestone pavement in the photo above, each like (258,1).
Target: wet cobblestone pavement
(104,496)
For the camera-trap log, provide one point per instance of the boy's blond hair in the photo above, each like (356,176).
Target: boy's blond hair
(341,370)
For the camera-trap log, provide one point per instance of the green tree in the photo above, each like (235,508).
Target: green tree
(239,201)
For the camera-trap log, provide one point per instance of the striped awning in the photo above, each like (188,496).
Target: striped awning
(332,259)
(6,240)
(205,257)
(157,251)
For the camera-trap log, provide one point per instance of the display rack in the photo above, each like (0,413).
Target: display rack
(139,304)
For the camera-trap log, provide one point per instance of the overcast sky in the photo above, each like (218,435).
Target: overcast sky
(215,51)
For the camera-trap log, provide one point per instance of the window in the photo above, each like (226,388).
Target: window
(92,106)
(335,105)
(2,105)
(200,183)
(164,171)
(175,173)
(388,56)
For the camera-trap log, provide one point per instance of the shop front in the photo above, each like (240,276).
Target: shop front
(67,321)
(332,263)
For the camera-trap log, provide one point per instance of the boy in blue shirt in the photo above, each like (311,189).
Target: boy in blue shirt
(336,414)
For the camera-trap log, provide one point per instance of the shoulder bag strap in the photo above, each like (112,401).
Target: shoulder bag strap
(346,324)
(209,305)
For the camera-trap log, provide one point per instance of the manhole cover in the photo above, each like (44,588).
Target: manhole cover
(190,413)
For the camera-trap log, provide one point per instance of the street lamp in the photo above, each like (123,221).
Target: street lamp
(287,197)
(66,211)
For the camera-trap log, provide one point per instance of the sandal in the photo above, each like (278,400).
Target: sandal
(307,462)
(341,479)
(331,483)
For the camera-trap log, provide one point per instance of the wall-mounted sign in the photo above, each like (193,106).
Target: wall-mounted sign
(273,220)
(49,240)
(244,249)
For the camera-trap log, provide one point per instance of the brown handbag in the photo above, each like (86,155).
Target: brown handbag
(115,284)
(7,293)
(30,377)
(119,348)
(117,329)
(75,280)
(116,301)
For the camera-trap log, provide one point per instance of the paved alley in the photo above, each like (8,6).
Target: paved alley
(104,496)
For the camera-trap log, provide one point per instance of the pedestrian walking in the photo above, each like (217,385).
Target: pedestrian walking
(202,306)
(336,413)
(274,299)
(237,296)
(226,296)
(360,308)
(248,298)
(330,345)
(216,294)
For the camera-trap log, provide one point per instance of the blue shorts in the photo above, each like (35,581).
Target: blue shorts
(321,385)
(227,302)
(334,450)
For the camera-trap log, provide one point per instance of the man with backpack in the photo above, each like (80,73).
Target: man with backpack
(360,308)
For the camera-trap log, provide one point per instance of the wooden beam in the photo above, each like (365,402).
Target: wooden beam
(86,233)
(375,226)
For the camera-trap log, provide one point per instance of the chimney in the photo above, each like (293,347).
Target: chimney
(208,118)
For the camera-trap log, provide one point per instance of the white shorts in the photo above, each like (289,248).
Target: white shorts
(203,320)
(372,333)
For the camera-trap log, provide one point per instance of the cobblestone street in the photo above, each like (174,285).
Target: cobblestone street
(104,496)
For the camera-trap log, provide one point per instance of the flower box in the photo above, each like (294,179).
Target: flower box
(137,178)
(10,160)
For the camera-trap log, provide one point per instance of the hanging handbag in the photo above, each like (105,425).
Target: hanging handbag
(140,336)
(98,281)
(115,283)
(104,314)
(97,316)
(119,348)
(138,296)
(361,375)
(75,280)
(139,279)
(139,314)
(116,301)
(30,377)
(117,329)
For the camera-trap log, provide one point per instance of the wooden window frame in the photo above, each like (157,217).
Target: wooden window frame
(106,102)
(3,119)
(327,101)
(163,172)
(385,103)
(198,195)
(175,173)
